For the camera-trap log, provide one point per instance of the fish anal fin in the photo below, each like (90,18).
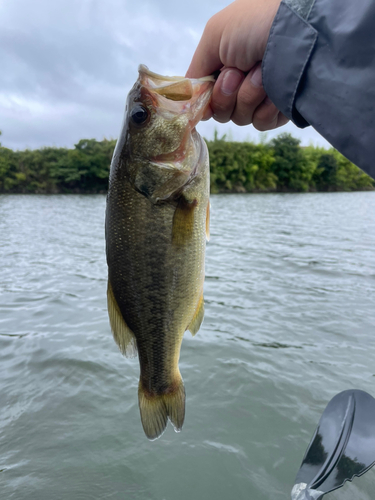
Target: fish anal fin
(208,222)
(122,334)
(156,409)
(197,318)
(183,221)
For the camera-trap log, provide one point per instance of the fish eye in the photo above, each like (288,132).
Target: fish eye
(139,114)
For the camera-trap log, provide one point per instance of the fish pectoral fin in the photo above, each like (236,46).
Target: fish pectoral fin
(157,408)
(197,318)
(208,222)
(122,334)
(183,221)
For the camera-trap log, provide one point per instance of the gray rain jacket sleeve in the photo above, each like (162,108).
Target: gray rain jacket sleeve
(319,70)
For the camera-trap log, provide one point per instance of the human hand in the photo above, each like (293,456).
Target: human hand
(234,41)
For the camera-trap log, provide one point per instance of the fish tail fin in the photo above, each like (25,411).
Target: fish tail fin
(156,409)
(175,404)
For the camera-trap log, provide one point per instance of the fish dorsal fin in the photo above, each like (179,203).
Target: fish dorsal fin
(122,334)
(198,317)
(208,222)
(177,91)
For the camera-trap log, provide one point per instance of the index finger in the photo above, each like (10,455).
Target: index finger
(206,59)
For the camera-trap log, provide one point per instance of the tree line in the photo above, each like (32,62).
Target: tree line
(278,165)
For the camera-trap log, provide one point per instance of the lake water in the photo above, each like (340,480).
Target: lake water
(290,322)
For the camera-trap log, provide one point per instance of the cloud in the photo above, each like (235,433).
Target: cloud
(67,66)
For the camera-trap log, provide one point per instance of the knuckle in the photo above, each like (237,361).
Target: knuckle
(211,24)
(265,117)
(222,106)
(246,97)
(282,120)
(218,105)
(221,119)
(264,123)
(241,120)
(221,115)
(221,109)
(247,101)
(263,126)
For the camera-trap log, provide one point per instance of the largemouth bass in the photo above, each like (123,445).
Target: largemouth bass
(157,220)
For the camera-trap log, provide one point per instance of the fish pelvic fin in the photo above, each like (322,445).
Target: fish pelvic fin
(122,334)
(196,322)
(156,409)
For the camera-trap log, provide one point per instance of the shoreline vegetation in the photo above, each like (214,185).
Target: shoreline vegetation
(280,165)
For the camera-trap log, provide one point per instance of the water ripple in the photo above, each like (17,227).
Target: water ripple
(290,317)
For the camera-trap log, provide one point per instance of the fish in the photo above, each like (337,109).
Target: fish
(157,223)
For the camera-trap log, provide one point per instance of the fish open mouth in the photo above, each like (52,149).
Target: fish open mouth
(177,88)
(143,70)
(178,95)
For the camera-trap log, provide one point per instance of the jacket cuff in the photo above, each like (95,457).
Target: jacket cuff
(289,48)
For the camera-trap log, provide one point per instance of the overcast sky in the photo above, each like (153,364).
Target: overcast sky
(66,66)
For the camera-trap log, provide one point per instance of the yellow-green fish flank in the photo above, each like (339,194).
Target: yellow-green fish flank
(157,221)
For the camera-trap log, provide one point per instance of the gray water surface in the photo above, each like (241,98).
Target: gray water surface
(290,322)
